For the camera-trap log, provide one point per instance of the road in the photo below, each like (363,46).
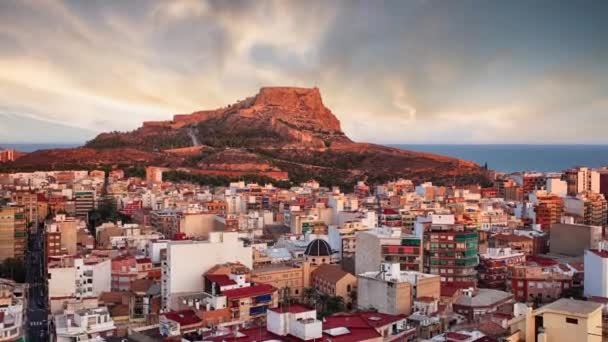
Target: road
(192,133)
(37,307)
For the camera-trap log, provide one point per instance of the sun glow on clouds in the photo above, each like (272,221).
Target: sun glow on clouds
(426,72)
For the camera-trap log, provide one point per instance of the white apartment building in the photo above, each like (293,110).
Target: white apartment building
(596,281)
(84,325)
(12,310)
(78,279)
(187,261)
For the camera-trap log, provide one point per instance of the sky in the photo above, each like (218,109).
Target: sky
(414,71)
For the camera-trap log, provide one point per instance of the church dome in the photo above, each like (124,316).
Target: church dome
(318,247)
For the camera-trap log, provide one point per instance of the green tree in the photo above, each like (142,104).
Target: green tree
(13,268)
(309,295)
(334,304)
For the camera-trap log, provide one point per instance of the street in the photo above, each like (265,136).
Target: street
(37,310)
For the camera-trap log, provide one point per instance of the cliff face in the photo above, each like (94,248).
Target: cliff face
(281,129)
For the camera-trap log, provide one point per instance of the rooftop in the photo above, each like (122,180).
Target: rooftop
(572,307)
(483,298)
(250,291)
(184,317)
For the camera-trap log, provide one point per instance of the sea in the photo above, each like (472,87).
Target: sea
(515,158)
(35,147)
(503,157)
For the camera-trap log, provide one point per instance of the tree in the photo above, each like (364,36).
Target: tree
(353,299)
(309,295)
(13,268)
(321,303)
(334,304)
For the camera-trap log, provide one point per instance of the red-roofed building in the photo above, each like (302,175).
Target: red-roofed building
(174,323)
(541,280)
(124,271)
(251,302)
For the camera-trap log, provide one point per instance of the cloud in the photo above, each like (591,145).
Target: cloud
(423,72)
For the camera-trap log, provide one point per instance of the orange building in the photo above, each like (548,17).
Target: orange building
(549,210)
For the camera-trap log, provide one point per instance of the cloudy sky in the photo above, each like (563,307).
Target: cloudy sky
(410,71)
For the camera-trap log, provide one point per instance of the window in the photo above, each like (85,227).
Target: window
(571,320)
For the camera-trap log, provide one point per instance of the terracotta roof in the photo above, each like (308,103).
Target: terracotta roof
(141,285)
(361,320)
(510,237)
(330,273)
(491,328)
(250,291)
(457,336)
(293,308)
(540,261)
(120,310)
(220,279)
(600,253)
(184,317)
(111,297)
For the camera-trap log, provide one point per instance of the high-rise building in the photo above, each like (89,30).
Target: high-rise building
(386,244)
(84,202)
(7,155)
(493,266)
(392,291)
(450,251)
(582,179)
(548,210)
(29,201)
(13,235)
(587,208)
(187,261)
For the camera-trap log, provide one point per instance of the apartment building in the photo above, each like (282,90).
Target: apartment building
(61,237)
(392,291)
(493,267)
(596,281)
(450,251)
(386,244)
(84,202)
(548,210)
(587,208)
(582,179)
(537,283)
(289,278)
(77,279)
(12,312)
(84,325)
(13,232)
(186,261)
(29,201)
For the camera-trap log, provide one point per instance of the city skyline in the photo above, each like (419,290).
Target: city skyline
(413,72)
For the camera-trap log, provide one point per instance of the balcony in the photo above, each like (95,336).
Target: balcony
(258,310)
(262,299)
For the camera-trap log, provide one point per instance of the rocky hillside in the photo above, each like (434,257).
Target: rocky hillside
(280,130)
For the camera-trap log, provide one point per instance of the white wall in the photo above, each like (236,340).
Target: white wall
(102,277)
(557,186)
(596,275)
(62,282)
(187,261)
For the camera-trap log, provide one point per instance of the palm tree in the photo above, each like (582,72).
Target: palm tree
(352,295)
(321,305)
(308,295)
(334,304)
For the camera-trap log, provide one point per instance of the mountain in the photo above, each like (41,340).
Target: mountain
(280,132)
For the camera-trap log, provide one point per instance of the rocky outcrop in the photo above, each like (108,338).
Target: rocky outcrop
(281,129)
